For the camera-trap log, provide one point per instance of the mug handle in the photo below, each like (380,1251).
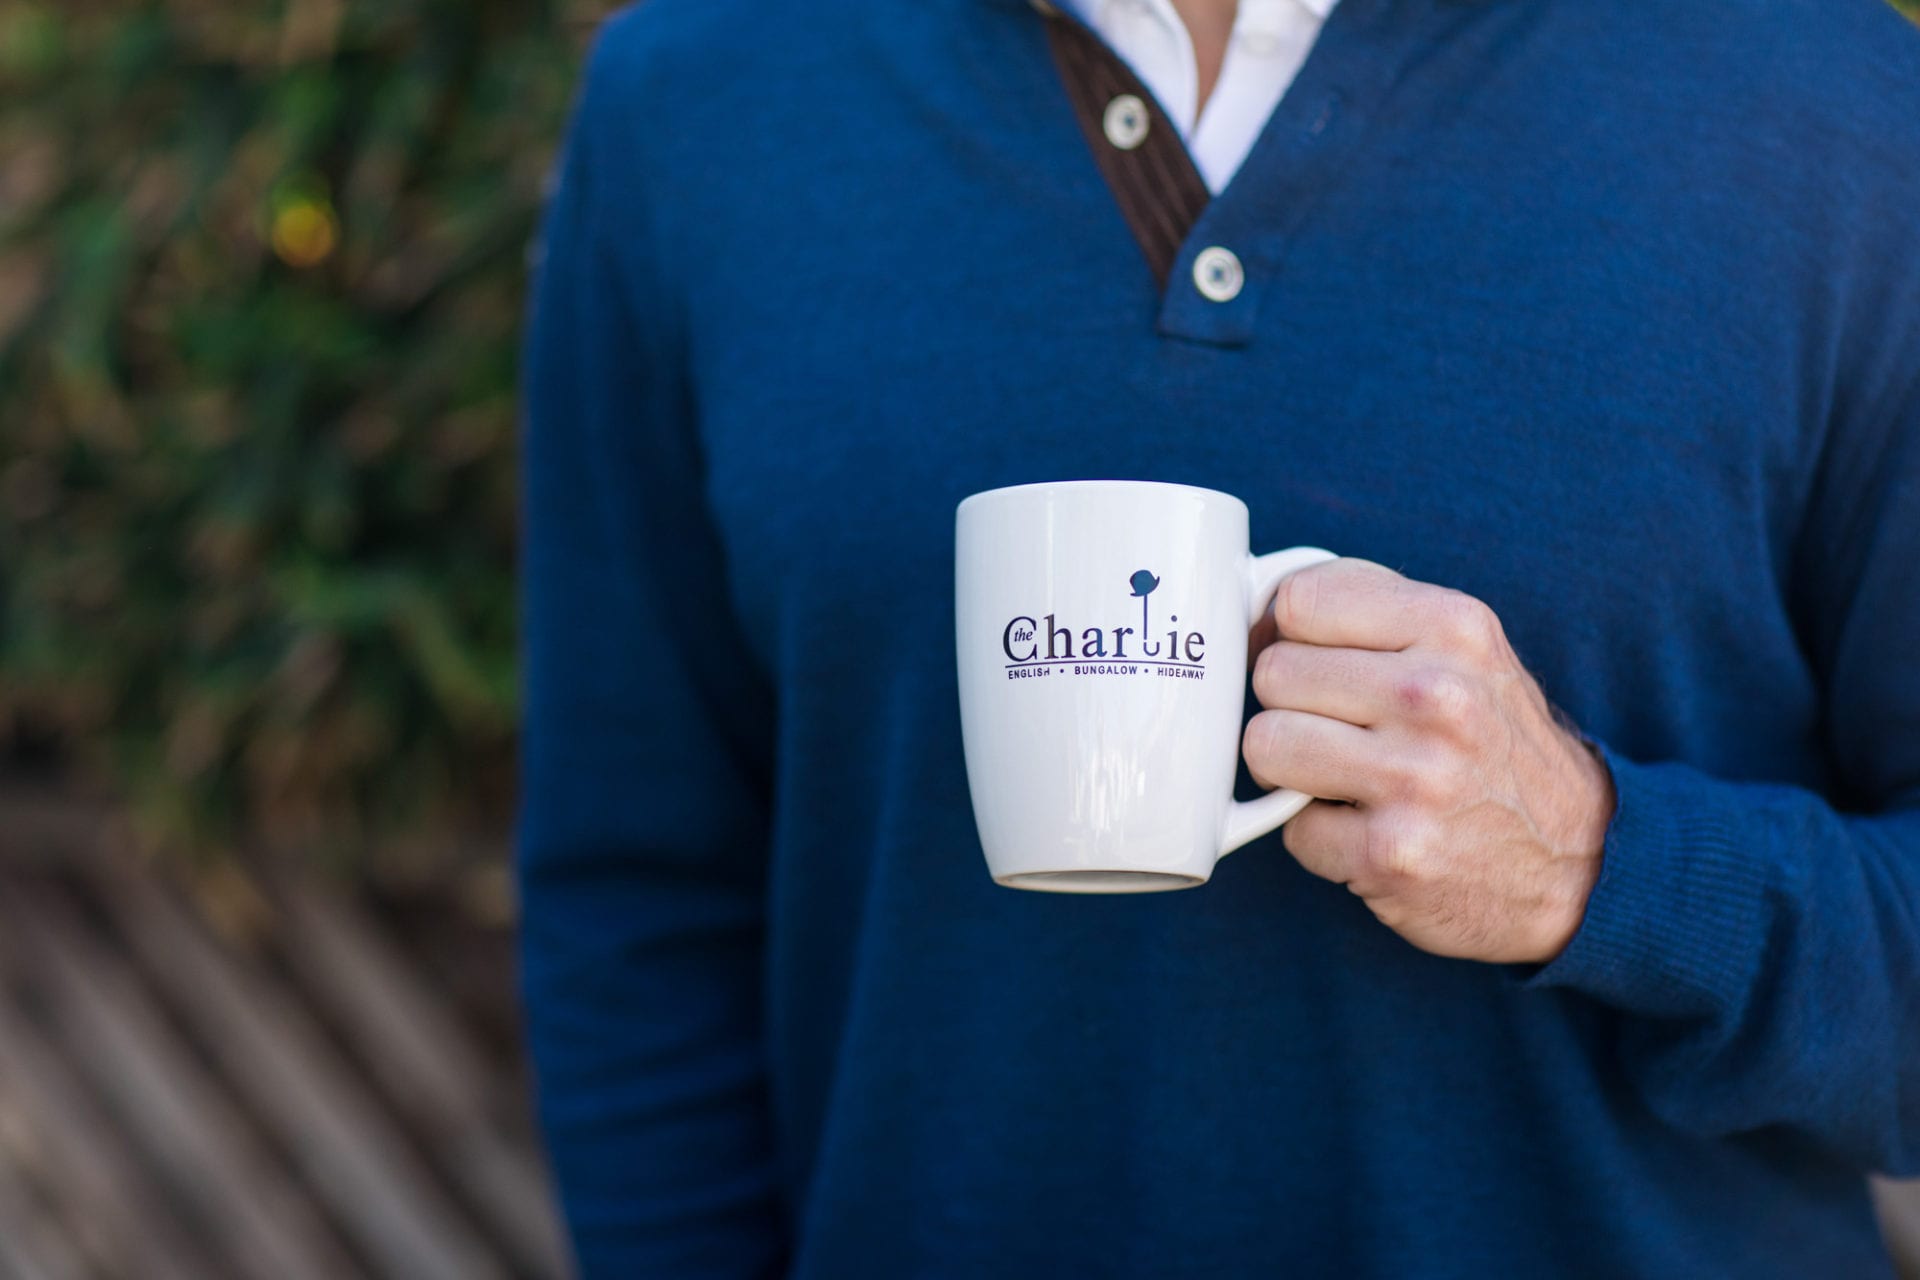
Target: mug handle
(1247,819)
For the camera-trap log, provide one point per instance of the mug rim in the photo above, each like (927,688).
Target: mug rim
(1089,485)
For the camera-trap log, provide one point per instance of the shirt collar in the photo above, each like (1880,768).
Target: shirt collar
(1250,10)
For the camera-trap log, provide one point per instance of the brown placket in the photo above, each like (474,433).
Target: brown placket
(1160,192)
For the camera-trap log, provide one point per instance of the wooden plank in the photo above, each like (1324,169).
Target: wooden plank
(34,1244)
(37,826)
(425,1062)
(178,1117)
(86,1163)
(1899,1205)
(52,1231)
(273,1054)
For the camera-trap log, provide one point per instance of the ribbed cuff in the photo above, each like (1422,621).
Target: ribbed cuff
(1676,926)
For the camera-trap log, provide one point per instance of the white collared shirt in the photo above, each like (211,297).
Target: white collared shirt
(1270,42)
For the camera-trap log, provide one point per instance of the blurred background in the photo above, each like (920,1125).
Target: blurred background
(261,275)
(262,265)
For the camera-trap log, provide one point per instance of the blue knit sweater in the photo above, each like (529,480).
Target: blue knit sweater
(1607,313)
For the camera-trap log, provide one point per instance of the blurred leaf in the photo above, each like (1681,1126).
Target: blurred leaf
(261,269)
(30,41)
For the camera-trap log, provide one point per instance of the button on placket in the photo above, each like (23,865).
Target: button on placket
(1233,263)
(1218,275)
(1126,122)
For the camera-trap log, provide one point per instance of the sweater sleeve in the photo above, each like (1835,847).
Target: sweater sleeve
(1764,940)
(644,823)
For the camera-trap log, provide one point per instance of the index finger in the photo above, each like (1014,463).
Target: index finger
(1354,604)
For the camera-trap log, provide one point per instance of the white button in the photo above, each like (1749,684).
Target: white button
(1218,275)
(1126,122)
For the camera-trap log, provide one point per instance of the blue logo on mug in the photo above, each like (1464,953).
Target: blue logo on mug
(1020,640)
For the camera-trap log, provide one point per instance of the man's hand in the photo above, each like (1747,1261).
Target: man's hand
(1474,820)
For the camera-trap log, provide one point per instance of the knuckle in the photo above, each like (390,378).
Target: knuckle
(1269,674)
(1260,745)
(1449,783)
(1436,783)
(1454,782)
(1400,779)
(1470,622)
(1436,695)
(1421,779)
(1295,600)
(1395,847)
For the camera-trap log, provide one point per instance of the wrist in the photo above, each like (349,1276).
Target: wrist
(1578,852)
(1598,801)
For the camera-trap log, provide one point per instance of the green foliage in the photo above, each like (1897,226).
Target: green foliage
(261,271)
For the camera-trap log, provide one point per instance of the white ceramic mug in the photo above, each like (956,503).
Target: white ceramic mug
(1102,637)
